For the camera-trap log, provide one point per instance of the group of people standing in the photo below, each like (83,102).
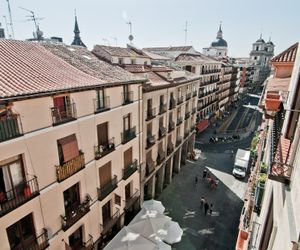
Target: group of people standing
(207,207)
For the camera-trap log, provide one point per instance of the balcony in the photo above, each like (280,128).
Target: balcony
(178,141)
(18,195)
(170,148)
(127,97)
(106,189)
(193,127)
(41,241)
(151,113)
(10,127)
(161,156)
(187,115)
(171,126)
(131,200)
(89,244)
(128,171)
(186,133)
(150,141)
(194,110)
(172,103)
(188,96)
(128,135)
(179,121)
(101,104)
(210,71)
(179,100)
(69,168)
(109,223)
(104,149)
(162,108)
(194,93)
(74,215)
(162,132)
(63,114)
(150,167)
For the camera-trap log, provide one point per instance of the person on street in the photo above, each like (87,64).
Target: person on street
(211,208)
(206,207)
(204,174)
(202,201)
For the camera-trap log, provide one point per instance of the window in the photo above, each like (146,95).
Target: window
(128,191)
(62,106)
(71,198)
(75,239)
(100,99)
(128,158)
(126,122)
(105,174)
(11,177)
(117,200)
(257,48)
(106,212)
(21,235)
(67,148)
(120,60)
(102,132)
(145,63)
(133,61)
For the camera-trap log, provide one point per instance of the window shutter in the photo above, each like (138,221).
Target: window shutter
(69,147)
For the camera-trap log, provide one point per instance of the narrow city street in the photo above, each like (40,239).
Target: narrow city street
(181,198)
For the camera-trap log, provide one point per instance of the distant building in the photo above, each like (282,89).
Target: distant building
(171,52)
(2,33)
(261,54)
(218,47)
(77,40)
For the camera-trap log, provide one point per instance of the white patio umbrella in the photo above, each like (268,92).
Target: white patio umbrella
(174,232)
(151,227)
(128,239)
(144,214)
(153,205)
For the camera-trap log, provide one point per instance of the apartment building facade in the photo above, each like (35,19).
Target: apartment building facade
(70,147)
(270,217)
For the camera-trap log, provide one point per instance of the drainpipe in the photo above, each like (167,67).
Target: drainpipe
(140,89)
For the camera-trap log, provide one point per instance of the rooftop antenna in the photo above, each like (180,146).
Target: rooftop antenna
(130,37)
(185,32)
(7,24)
(10,20)
(38,34)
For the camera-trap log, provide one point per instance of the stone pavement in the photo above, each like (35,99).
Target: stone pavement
(182,201)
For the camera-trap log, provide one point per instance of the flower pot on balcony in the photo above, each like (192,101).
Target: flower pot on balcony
(27,192)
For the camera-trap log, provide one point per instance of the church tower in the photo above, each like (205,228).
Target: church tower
(77,40)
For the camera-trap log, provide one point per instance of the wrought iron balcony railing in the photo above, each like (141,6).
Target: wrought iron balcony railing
(172,103)
(171,126)
(150,141)
(162,108)
(151,113)
(179,120)
(101,104)
(63,114)
(104,149)
(131,200)
(18,195)
(180,100)
(108,223)
(106,189)
(162,132)
(10,127)
(187,115)
(129,170)
(161,156)
(194,93)
(194,110)
(178,141)
(128,135)
(74,215)
(127,97)
(188,96)
(150,167)
(89,244)
(70,167)
(170,148)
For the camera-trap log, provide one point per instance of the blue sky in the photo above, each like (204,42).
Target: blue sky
(162,22)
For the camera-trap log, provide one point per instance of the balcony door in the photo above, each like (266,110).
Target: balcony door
(75,239)
(21,235)
(102,132)
(67,148)
(128,191)
(106,212)
(71,198)
(126,122)
(126,93)
(100,99)
(61,105)
(105,174)
(149,106)
(12,178)
(127,158)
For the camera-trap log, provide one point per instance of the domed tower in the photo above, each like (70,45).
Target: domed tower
(220,44)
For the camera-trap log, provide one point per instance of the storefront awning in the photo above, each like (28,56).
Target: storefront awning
(202,125)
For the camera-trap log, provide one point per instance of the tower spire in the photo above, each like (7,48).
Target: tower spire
(77,39)
(220,32)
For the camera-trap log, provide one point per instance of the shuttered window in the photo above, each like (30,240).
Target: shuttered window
(105,174)
(102,132)
(68,148)
(127,158)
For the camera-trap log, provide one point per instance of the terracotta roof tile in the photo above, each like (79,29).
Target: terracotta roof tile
(289,55)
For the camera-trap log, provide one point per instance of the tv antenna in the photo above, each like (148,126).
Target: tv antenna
(130,37)
(38,34)
(10,20)
(7,30)
(185,32)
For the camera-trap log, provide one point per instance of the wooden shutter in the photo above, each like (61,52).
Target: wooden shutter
(69,147)
(127,157)
(105,174)
(102,132)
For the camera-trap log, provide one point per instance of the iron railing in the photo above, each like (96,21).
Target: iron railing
(179,100)
(10,127)
(132,199)
(106,189)
(150,167)
(150,141)
(63,114)
(70,167)
(187,115)
(89,244)
(171,126)
(161,156)
(104,149)
(151,113)
(170,148)
(194,110)
(194,93)
(18,195)
(172,103)
(162,108)
(109,223)
(128,135)
(74,215)
(129,170)
(101,104)
(178,141)
(188,96)
(127,97)
(179,120)
(162,132)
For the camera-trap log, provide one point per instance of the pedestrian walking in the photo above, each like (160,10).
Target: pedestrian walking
(211,208)
(206,207)
(202,201)
(196,180)
(204,174)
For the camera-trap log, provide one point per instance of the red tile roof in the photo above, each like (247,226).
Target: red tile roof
(28,68)
(288,55)
(119,51)
(175,48)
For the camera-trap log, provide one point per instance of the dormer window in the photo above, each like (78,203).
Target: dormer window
(133,61)
(120,60)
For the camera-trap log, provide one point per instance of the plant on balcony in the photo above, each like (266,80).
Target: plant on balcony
(262,177)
